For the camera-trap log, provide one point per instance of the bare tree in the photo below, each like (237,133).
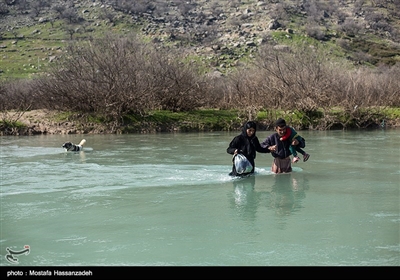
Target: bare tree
(179,84)
(59,9)
(38,6)
(23,5)
(114,76)
(350,27)
(298,80)
(70,15)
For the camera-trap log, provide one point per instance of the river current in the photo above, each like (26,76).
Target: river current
(167,200)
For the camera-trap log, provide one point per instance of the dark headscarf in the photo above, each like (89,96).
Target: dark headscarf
(249,124)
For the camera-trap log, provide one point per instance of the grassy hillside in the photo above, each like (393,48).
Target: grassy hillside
(219,33)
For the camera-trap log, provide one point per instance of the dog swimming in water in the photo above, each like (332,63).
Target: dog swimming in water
(69,146)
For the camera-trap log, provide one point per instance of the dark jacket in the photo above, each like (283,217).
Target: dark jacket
(295,135)
(248,146)
(282,151)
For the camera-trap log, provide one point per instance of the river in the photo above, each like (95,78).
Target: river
(167,200)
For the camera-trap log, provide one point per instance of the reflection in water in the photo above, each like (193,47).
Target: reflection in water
(81,154)
(246,199)
(287,193)
(284,195)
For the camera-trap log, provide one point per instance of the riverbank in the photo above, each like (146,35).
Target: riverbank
(36,122)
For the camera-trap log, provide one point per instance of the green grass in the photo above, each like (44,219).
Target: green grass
(392,113)
(210,116)
(326,47)
(11,124)
(28,52)
(197,120)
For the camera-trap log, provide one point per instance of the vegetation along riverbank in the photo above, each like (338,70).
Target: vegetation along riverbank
(36,122)
(151,66)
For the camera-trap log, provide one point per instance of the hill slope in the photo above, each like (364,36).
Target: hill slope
(221,33)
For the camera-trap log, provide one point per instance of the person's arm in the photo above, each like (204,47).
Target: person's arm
(269,144)
(258,146)
(234,146)
(266,143)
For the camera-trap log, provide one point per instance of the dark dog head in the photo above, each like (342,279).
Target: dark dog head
(68,146)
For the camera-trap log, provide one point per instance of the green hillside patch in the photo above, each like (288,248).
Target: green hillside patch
(30,50)
(380,51)
(207,116)
(327,47)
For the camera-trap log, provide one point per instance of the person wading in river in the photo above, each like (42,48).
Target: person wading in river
(246,144)
(280,150)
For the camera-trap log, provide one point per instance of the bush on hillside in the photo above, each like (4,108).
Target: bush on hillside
(114,77)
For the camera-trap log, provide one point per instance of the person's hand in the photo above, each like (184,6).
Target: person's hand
(281,139)
(295,142)
(236,151)
(272,148)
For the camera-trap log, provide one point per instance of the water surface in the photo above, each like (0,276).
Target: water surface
(167,200)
